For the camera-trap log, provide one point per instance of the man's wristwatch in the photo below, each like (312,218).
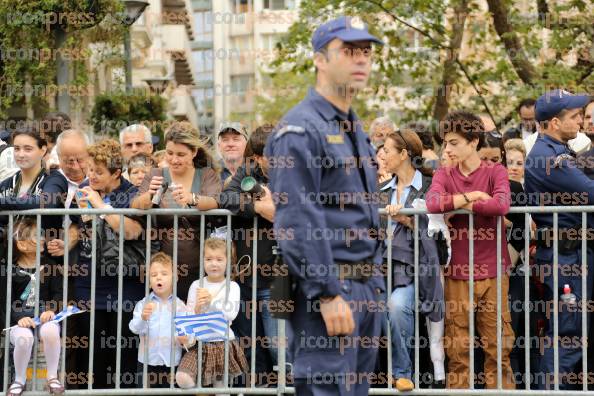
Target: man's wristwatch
(102,215)
(195,199)
(466,198)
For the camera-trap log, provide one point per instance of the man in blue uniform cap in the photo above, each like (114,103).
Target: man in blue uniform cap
(322,162)
(554,179)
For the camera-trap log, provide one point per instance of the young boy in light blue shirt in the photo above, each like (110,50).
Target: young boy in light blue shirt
(153,321)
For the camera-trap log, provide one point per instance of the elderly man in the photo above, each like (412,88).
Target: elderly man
(379,129)
(231,142)
(135,139)
(61,185)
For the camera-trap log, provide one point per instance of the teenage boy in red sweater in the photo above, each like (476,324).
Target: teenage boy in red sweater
(483,189)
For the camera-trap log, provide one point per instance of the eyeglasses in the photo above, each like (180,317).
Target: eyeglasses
(350,52)
(495,133)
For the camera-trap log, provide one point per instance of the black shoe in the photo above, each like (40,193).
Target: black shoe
(438,384)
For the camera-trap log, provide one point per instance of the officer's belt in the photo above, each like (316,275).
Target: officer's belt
(569,238)
(359,271)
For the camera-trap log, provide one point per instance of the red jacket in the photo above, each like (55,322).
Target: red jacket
(492,179)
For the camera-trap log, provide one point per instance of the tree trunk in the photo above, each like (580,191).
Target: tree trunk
(523,66)
(442,96)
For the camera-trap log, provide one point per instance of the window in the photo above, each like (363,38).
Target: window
(241,84)
(203,60)
(240,6)
(279,5)
(203,23)
(269,41)
(203,98)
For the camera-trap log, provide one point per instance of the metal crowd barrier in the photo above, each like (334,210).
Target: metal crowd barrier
(282,386)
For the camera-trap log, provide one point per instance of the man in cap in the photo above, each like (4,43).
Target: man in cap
(554,179)
(231,142)
(322,165)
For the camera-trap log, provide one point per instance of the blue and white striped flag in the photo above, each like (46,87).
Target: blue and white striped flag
(210,326)
(60,316)
(66,312)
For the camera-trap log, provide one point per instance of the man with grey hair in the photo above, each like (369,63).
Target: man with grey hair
(61,185)
(380,128)
(134,139)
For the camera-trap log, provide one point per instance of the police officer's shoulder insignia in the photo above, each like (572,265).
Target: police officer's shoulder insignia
(289,129)
(335,139)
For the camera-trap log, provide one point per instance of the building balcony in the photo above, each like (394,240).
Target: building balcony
(182,105)
(178,12)
(141,34)
(177,44)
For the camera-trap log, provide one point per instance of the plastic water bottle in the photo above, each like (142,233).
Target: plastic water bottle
(568,298)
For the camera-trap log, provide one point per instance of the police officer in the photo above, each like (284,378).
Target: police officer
(323,172)
(554,179)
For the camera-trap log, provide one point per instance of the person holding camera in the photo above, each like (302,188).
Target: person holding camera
(248,197)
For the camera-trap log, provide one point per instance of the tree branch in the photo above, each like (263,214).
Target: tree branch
(453,55)
(589,69)
(511,41)
(402,21)
(543,8)
(448,78)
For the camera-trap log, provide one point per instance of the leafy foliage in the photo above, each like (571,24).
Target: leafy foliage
(112,112)
(28,42)
(418,34)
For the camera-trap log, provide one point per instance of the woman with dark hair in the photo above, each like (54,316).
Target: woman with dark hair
(192,182)
(403,157)
(429,154)
(247,206)
(492,149)
(29,150)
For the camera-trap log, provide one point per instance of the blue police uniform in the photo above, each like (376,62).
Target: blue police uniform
(553,179)
(329,199)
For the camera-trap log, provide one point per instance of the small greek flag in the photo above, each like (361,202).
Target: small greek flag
(66,312)
(211,326)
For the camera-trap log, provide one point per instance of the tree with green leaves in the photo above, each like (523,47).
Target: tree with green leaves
(115,111)
(29,47)
(482,55)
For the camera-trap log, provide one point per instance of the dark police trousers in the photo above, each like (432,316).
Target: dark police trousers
(337,365)
(570,318)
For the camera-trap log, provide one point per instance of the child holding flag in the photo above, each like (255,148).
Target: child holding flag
(23,297)
(153,319)
(210,294)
